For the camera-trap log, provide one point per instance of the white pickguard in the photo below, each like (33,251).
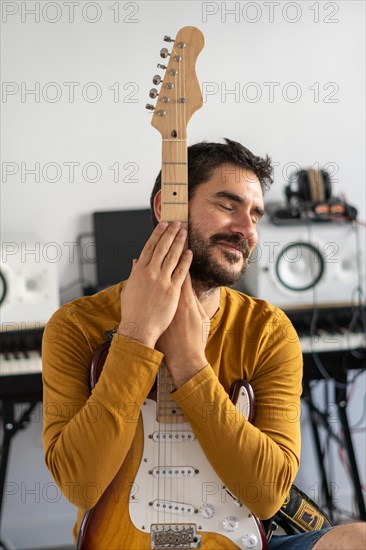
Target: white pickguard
(176,484)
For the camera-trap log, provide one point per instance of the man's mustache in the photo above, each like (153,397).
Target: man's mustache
(240,244)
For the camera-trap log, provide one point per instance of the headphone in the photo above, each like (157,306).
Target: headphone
(309,196)
(312,186)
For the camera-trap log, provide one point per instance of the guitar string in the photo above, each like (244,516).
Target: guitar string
(180,147)
(176,169)
(163,392)
(179,128)
(162,481)
(183,146)
(178,151)
(170,485)
(182,450)
(181,156)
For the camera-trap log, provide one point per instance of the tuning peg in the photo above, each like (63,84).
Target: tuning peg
(160,66)
(164,52)
(149,107)
(153,93)
(156,80)
(168,39)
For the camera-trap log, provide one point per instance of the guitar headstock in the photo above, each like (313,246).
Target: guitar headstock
(180,94)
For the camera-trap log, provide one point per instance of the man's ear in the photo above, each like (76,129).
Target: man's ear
(157,205)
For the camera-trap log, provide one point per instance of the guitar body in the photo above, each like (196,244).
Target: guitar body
(178,472)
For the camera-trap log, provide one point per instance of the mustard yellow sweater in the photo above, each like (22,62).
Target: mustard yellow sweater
(87,436)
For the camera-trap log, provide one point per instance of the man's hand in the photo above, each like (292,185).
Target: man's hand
(150,297)
(183,343)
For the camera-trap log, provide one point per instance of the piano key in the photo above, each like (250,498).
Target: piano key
(15,365)
(324,342)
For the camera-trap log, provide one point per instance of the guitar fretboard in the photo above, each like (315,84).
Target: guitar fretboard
(174,181)
(167,410)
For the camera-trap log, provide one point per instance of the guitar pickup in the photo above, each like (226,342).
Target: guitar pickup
(176,436)
(170,507)
(173,472)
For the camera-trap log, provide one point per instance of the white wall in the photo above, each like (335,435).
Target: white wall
(314,50)
(320,61)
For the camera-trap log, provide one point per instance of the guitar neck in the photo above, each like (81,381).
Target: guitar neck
(167,410)
(180,96)
(174,181)
(174,207)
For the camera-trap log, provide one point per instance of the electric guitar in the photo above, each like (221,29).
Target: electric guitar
(166,494)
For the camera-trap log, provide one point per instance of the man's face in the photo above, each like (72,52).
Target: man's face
(223,214)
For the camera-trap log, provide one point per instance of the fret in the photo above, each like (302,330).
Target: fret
(171,414)
(174,172)
(165,404)
(165,418)
(165,399)
(174,194)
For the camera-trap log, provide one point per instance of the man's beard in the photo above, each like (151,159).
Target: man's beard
(205,269)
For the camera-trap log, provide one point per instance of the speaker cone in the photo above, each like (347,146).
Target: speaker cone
(299,267)
(3,287)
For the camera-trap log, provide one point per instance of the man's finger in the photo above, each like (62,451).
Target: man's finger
(201,310)
(169,248)
(180,272)
(173,254)
(156,235)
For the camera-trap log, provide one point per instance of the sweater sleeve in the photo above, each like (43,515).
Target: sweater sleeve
(258,462)
(87,435)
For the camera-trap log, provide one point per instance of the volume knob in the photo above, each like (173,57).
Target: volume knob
(207,510)
(230,523)
(249,541)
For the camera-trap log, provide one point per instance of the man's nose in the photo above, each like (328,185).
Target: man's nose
(243,225)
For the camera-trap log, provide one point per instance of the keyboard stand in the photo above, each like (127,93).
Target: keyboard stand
(341,400)
(318,419)
(11,426)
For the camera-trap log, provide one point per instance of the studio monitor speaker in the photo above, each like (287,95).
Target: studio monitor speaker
(302,265)
(29,292)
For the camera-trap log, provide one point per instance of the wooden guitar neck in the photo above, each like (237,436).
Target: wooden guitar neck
(174,181)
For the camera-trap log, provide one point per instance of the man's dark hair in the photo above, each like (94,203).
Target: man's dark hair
(205,157)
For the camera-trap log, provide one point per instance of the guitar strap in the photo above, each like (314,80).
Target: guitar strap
(298,514)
